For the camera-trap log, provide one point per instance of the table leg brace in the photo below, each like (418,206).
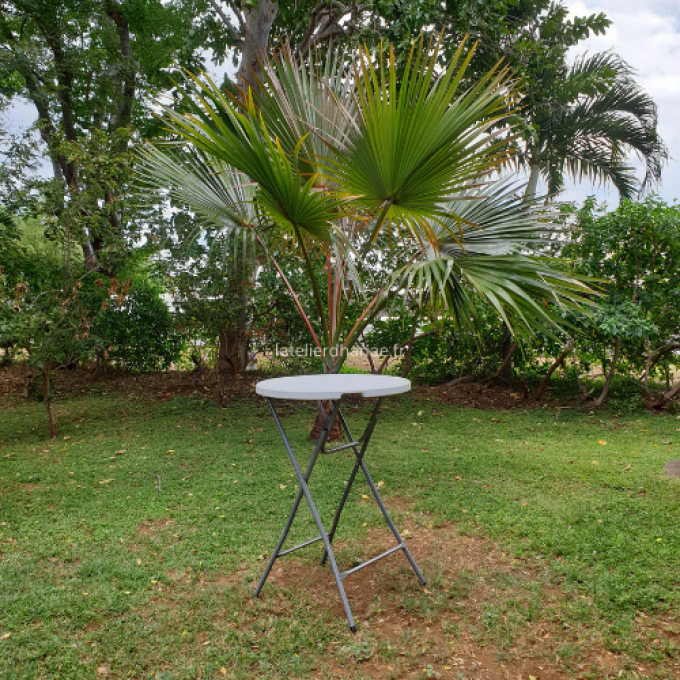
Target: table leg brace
(359,453)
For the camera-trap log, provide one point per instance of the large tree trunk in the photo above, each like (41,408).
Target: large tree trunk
(232,354)
(556,364)
(258,24)
(610,374)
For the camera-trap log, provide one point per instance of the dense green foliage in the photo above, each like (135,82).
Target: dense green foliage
(139,333)
(632,255)
(92,71)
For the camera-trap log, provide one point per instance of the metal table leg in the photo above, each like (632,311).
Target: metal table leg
(359,453)
(327,537)
(304,489)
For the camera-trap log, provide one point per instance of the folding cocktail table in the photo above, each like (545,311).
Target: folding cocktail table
(331,388)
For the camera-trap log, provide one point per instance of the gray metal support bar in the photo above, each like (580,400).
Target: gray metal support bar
(381,505)
(345,574)
(301,545)
(359,447)
(320,442)
(335,449)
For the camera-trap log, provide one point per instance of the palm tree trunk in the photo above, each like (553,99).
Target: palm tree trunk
(532,184)
(320,422)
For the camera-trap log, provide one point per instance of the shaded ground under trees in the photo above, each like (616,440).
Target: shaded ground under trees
(204,382)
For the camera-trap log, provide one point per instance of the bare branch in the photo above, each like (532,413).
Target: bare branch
(324,23)
(238,14)
(234,33)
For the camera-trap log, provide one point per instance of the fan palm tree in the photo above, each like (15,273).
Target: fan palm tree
(595,117)
(338,155)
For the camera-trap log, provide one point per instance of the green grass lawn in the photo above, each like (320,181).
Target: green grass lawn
(130,545)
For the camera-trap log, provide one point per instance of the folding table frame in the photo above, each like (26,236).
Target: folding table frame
(359,447)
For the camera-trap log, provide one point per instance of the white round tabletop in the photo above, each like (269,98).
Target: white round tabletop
(332,386)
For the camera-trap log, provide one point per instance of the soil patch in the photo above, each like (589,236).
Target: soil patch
(483,614)
(476,617)
(153,528)
(160,386)
(204,383)
(482,396)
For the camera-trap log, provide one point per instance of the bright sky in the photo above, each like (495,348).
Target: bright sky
(646,33)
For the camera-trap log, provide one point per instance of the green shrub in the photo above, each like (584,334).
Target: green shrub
(140,333)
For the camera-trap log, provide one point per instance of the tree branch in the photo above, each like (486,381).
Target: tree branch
(610,374)
(36,94)
(238,14)
(366,351)
(505,364)
(324,24)
(666,397)
(234,33)
(658,353)
(556,364)
(129,85)
(461,381)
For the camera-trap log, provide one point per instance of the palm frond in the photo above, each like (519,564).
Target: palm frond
(605,117)
(419,142)
(214,191)
(314,100)
(492,219)
(528,293)
(221,199)
(491,258)
(245,144)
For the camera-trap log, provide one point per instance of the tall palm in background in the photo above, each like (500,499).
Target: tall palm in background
(339,154)
(595,115)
